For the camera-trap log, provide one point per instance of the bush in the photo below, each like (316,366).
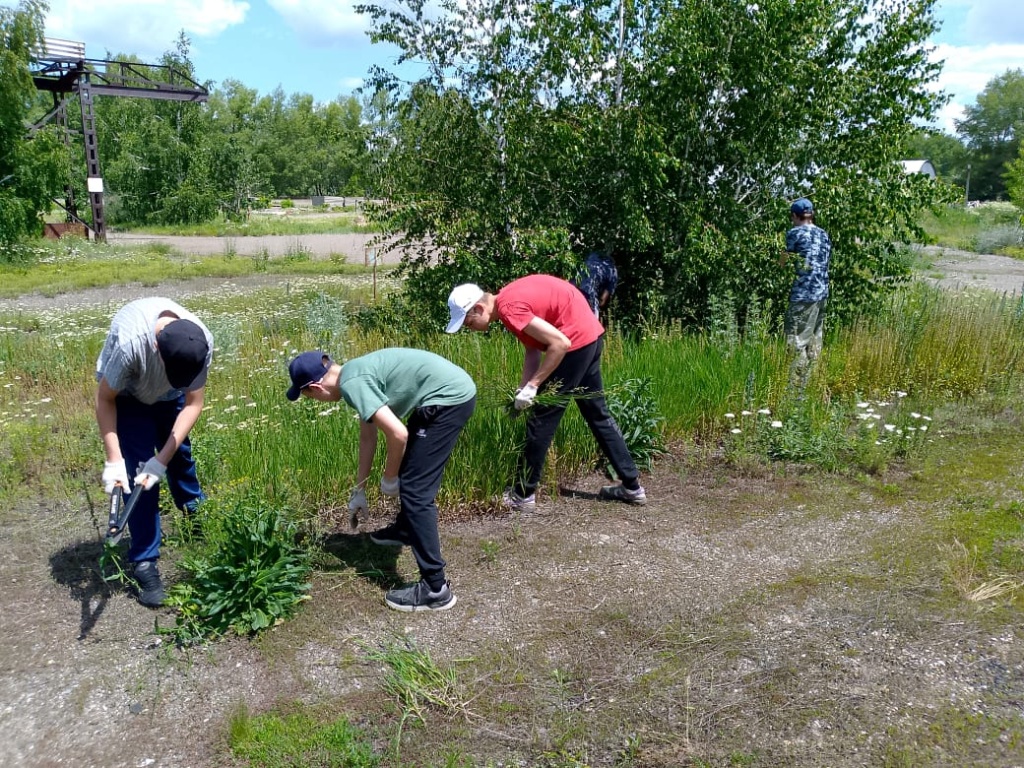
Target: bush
(250,575)
(636,412)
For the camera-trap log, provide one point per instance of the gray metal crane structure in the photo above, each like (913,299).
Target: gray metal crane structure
(62,70)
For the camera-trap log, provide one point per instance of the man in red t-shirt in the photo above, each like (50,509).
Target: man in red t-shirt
(563,341)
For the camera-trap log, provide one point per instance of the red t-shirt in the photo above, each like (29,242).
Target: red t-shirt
(553,300)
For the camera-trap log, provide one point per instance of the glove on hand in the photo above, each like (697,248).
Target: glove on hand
(390,486)
(525,396)
(150,473)
(114,473)
(357,503)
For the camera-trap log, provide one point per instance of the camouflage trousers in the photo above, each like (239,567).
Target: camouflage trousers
(805,325)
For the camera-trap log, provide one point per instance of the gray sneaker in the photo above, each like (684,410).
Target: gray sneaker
(512,500)
(622,493)
(418,597)
(150,587)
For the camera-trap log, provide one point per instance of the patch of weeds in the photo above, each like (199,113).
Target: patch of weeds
(298,739)
(416,682)
(867,437)
(489,551)
(251,574)
(632,404)
(261,260)
(953,736)
(111,565)
(984,560)
(327,320)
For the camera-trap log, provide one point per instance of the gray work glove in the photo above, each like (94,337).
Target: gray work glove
(390,486)
(150,473)
(357,503)
(114,473)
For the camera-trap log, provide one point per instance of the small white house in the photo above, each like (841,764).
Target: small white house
(919,166)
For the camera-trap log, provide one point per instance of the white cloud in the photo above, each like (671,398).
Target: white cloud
(143,27)
(996,21)
(966,72)
(321,22)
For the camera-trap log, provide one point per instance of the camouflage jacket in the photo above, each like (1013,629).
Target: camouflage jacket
(813,245)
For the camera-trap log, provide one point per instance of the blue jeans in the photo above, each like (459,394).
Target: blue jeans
(143,430)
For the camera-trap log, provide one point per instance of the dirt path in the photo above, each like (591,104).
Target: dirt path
(354,247)
(956,270)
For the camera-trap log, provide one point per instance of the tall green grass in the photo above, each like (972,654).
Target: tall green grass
(968,228)
(930,345)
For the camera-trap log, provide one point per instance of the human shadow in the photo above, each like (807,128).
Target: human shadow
(574,493)
(370,561)
(77,567)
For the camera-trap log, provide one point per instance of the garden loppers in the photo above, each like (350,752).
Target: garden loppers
(120,511)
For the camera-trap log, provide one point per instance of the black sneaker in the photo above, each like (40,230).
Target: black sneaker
(391,536)
(150,587)
(418,597)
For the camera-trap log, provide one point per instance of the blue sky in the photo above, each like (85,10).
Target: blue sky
(320,46)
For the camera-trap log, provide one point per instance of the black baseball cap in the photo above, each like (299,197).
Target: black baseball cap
(183,348)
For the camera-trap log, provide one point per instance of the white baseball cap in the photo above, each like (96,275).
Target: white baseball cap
(460,301)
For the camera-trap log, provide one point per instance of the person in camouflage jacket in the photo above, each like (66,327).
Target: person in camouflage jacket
(805,319)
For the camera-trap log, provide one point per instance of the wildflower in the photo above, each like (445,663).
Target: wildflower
(730,415)
(329,411)
(926,418)
(735,430)
(915,415)
(776,425)
(900,394)
(765,412)
(924,427)
(889,427)
(745,413)
(862,405)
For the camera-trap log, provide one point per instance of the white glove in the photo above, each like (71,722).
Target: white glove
(150,473)
(390,486)
(114,473)
(524,397)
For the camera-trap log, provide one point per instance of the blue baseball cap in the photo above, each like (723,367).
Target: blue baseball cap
(308,368)
(802,207)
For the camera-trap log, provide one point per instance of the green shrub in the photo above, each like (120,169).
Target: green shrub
(250,574)
(636,412)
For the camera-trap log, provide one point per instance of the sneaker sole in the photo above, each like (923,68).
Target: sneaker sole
(416,608)
(387,542)
(635,502)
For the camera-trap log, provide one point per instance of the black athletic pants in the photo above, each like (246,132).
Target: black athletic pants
(433,430)
(579,370)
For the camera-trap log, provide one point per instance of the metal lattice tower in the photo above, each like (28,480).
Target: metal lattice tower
(62,69)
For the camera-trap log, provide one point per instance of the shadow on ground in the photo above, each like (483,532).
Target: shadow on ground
(78,567)
(376,564)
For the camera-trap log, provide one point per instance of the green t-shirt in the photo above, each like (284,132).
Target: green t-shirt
(402,379)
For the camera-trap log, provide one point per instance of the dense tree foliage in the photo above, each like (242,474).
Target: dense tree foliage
(992,128)
(673,134)
(31,171)
(168,161)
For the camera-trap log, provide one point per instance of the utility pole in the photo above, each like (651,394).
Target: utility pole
(967,187)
